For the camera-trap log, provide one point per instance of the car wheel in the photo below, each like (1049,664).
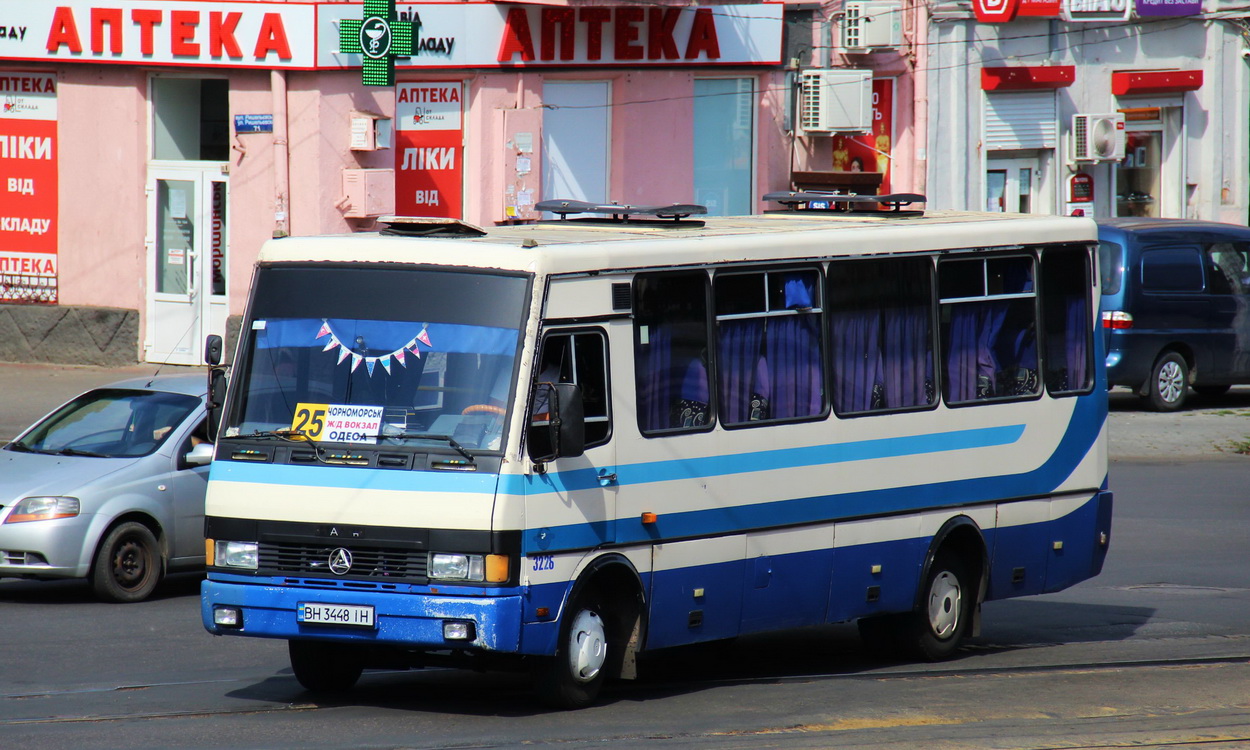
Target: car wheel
(1168,382)
(127,564)
(935,630)
(574,676)
(325,667)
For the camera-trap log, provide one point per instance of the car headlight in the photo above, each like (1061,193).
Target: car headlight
(453,567)
(43,509)
(236,555)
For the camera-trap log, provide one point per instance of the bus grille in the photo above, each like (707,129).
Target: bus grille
(393,565)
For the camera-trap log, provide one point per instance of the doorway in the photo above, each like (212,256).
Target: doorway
(1011,186)
(188,199)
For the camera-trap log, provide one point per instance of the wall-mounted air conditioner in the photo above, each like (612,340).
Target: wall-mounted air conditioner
(1098,137)
(872,25)
(836,101)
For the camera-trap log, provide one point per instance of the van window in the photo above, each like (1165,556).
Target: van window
(1228,267)
(1110,266)
(1171,269)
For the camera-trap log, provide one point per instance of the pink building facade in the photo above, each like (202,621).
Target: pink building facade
(149,147)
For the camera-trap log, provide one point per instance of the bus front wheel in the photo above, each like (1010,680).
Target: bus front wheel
(574,676)
(324,667)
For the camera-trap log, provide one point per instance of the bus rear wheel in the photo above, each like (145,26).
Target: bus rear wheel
(934,630)
(575,675)
(325,667)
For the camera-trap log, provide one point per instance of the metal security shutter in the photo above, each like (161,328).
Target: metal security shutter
(1019,120)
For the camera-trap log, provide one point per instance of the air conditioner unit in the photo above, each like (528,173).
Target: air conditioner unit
(836,101)
(1098,137)
(872,25)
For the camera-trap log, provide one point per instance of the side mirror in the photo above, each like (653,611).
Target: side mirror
(563,434)
(216,397)
(212,350)
(200,455)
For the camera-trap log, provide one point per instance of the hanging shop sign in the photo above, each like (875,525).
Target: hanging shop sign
(1154,8)
(1003,11)
(28,186)
(429,149)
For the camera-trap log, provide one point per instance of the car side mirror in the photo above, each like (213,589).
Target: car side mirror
(212,350)
(199,455)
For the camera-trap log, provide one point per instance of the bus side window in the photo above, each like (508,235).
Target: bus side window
(670,352)
(579,357)
(1066,286)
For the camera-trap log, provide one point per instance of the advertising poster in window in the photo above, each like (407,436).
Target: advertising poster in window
(28,181)
(870,153)
(429,149)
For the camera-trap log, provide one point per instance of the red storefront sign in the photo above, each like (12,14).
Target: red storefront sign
(870,153)
(28,184)
(429,149)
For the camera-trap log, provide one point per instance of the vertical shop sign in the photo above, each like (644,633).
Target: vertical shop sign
(870,153)
(429,150)
(28,184)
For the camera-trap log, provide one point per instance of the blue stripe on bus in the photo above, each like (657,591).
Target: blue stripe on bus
(1082,431)
(771,460)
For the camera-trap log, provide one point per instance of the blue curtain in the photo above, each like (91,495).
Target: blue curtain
(740,367)
(655,389)
(793,366)
(858,370)
(908,357)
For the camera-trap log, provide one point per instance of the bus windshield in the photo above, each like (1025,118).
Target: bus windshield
(379,356)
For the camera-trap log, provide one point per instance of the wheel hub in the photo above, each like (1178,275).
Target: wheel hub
(587,645)
(945,603)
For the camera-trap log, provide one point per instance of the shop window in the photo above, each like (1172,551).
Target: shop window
(724,110)
(191,119)
(1137,176)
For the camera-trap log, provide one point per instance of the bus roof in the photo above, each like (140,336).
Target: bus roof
(571,247)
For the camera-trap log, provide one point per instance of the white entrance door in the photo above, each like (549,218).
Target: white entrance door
(1011,186)
(186,262)
(575,140)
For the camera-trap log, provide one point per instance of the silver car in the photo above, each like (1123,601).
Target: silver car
(109,487)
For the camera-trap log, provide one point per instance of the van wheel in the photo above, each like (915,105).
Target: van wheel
(935,630)
(1168,382)
(573,677)
(127,564)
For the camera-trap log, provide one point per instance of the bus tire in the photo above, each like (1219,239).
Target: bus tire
(324,667)
(574,676)
(935,629)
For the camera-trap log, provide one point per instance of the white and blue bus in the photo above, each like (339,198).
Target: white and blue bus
(560,445)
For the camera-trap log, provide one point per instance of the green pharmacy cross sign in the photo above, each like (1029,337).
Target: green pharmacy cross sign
(380,38)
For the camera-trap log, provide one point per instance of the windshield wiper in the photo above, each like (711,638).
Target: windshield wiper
(294,436)
(21,447)
(80,452)
(430,436)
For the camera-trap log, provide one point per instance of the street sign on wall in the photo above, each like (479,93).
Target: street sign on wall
(429,149)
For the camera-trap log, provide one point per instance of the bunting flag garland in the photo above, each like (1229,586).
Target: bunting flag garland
(370,362)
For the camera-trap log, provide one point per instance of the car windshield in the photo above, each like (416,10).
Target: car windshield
(109,423)
(369,356)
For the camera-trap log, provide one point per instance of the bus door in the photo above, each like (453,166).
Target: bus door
(585,486)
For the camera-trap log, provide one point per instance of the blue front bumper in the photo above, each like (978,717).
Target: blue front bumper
(407,619)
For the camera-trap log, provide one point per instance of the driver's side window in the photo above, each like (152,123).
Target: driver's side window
(579,357)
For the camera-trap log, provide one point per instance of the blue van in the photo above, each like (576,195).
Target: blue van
(1175,306)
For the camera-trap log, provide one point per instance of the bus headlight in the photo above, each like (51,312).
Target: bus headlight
(452,567)
(236,555)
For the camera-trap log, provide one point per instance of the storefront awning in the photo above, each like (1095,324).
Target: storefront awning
(1027,77)
(1137,82)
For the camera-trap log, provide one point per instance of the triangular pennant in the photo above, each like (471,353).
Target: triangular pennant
(356,360)
(369,363)
(415,351)
(424,337)
(386,363)
(343,354)
(333,342)
(325,328)
(399,357)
